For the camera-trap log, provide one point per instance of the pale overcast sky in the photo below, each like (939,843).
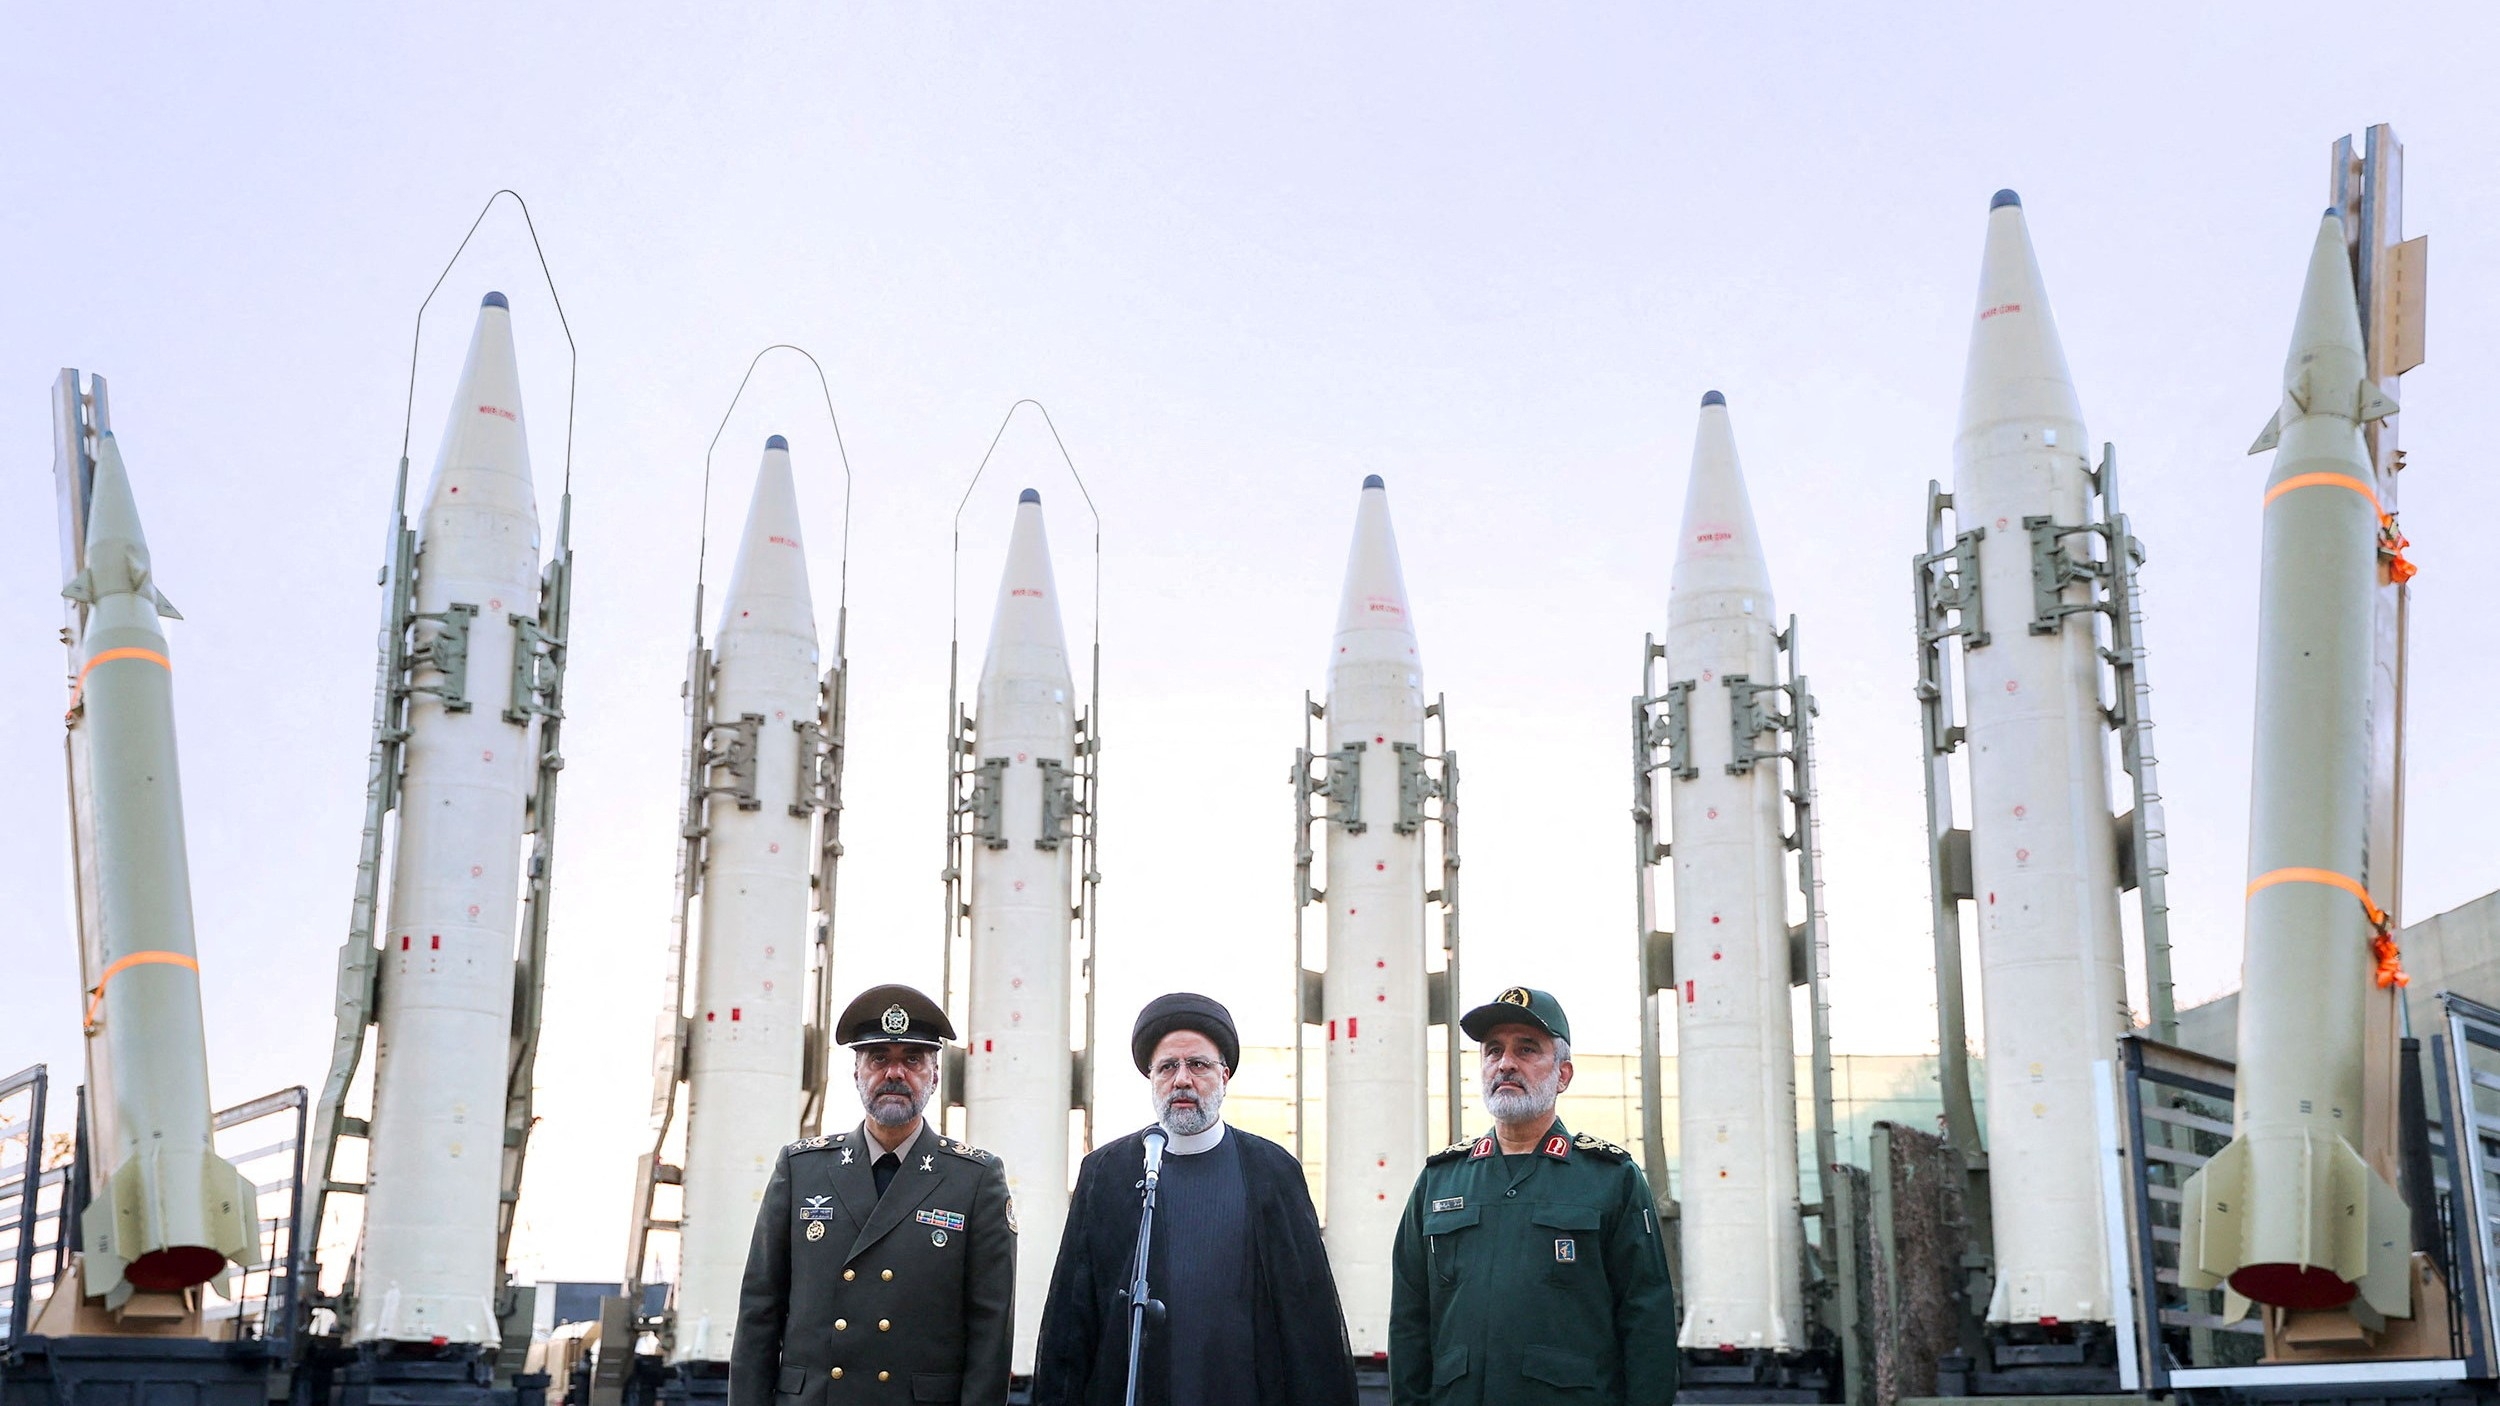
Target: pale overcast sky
(1246,254)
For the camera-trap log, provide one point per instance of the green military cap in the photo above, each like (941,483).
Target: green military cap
(1520,1005)
(893,1015)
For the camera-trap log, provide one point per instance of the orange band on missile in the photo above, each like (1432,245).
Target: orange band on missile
(95,993)
(2323,480)
(79,689)
(2391,971)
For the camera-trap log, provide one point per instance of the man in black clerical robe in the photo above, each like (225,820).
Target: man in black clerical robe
(1251,1315)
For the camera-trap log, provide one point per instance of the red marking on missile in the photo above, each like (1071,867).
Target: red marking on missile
(1033,591)
(1383,998)
(476,869)
(1380,741)
(781,541)
(437,944)
(490,756)
(1714,918)
(774,848)
(494,605)
(497,410)
(1998,310)
(988,1045)
(1379,867)
(2013,685)
(1688,992)
(1721,536)
(1349,1027)
(2019,812)
(710,1016)
(736,1013)
(403,942)
(1332,1030)
(1384,966)
(2022,854)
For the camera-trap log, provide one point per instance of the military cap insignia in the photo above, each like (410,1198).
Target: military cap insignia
(894,1021)
(1516,996)
(1598,1145)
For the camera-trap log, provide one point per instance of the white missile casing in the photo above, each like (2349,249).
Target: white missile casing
(1735,1066)
(2289,1213)
(168,1212)
(747,1022)
(1018,1067)
(426,1269)
(1373,993)
(2044,854)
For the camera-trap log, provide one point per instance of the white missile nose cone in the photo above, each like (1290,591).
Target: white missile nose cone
(2017,366)
(1027,620)
(1719,549)
(1375,581)
(2329,320)
(485,431)
(769,583)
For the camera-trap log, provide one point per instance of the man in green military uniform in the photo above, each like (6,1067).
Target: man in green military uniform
(1529,1266)
(884,1262)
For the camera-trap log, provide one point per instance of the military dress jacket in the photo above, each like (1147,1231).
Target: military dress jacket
(1540,1282)
(850,1298)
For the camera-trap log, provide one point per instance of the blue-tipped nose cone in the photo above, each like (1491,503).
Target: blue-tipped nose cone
(1710,398)
(495,300)
(1373,481)
(1029,496)
(2333,213)
(2004,198)
(776,442)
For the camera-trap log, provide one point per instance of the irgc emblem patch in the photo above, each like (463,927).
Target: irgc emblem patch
(1566,1250)
(894,1020)
(1516,996)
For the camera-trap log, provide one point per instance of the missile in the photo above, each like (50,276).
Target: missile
(168,1212)
(1735,1066)
(1373,994)
(747,1028)
(426,1267)
(1018,1066)
(2288,1213)
(2044,854)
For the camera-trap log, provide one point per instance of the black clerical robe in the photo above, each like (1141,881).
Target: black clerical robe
(1299,1331)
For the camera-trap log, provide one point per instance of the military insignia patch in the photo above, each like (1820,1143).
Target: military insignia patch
(817,1208)
(894,1021)
(928,1164)
(815,1230)
(1483,1148)
(1558,1146)
(1011,1214)
(1566,1251)
(1516,996)
(846,1157)
(951,1220)
(938,1238)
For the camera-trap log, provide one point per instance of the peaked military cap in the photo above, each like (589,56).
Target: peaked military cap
(893,1015)
(1520,1005)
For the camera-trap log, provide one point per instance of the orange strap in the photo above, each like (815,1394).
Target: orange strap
(79,689)
(2391,971)
(95,993)
(2391,545)
(2323,480)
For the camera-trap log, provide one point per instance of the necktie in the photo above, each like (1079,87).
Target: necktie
(884,1170)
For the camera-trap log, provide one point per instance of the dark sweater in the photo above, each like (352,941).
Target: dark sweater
(1204,1280)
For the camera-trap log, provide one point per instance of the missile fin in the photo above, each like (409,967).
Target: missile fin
(2376,404)
(2235,1305)
(2209,1218)
(81,588)
(2387,1285)
(2270,436)
(164,607)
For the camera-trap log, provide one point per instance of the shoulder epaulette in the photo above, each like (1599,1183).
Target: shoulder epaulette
(1598,1146)
(967,1151)
(1466,1147)
(809,1144)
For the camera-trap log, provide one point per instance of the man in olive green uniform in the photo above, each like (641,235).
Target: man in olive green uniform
(884,1262)
(1529,1266)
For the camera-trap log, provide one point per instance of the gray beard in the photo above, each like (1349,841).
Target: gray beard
(885,1113)
(1519,1105)
(1183,1121)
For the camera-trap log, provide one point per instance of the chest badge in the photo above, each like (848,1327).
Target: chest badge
(815,1230)
(938,1238)
(1450,1203)
(1566,1251)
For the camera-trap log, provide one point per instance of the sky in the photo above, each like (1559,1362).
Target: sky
(1245,256)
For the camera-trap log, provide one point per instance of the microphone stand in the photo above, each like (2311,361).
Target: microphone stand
(1141,1309)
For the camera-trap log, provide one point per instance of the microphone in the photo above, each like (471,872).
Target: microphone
(1154,1157)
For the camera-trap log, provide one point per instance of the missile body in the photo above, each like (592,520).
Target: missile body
(1018,1067)
(1373,993)
(747,1025)
(426,1269)
(2289,1213)
(2044,854)
(1735,1069)
(168,1212)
